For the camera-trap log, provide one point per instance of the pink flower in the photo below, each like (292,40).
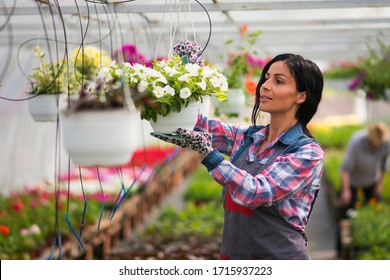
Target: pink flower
(34,204)
(129,53)
(24,231)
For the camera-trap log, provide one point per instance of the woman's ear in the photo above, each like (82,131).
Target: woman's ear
(301,97)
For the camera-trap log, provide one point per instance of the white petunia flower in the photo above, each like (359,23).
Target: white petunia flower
(171,71)
(207,72)
(224,86)
(202,84)
(158,92)
(192,69)
(142,85)
(119,72)
(103,73)
(184,78)
(169,90)
(215,82)
(185,93)
(162,63)
(138,67)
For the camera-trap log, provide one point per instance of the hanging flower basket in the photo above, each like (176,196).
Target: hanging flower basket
(174,87)
(104,138)
(186,118)
(45,107)
(50,84)
(100,127)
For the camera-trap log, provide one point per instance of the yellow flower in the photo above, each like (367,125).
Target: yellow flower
(89,60)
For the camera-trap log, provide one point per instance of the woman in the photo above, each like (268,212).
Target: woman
(273,176)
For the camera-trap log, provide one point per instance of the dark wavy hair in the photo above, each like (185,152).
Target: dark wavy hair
(308,77)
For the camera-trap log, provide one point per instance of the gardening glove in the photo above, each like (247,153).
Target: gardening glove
(198,141)
(173,138)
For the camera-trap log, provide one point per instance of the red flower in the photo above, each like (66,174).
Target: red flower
(243,30)
(250,86)
(18,206)
(4,230)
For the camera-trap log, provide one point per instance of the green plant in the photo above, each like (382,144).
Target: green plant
(52,78)
(202,188)
(193,220)
(238,62)
(342,70)
(335,136)
(370,230)
(332,164)
(172,84)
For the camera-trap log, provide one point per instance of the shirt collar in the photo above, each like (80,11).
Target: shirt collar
(287,138)
(291,135)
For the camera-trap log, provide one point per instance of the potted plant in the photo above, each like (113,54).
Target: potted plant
(239,65)
(171,93)
(374,74)
(100,127)
(49,85)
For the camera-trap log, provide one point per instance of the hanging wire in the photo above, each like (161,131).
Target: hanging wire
(160,33)
(9,14)
(108,2)
(7,25)
(125,192)
(103,200)
(77,235)
(57,229)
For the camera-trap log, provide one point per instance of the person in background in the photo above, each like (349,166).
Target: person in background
(272,177)
(364,164)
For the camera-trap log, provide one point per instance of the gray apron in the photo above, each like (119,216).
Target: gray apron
(259,233)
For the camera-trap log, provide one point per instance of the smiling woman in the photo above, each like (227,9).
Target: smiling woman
(272,178)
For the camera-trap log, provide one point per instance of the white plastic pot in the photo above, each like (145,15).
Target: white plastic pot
(45,107)
(186,118)
(104,138)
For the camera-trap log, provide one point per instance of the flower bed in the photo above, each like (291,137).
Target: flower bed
(28,219)
(193,232)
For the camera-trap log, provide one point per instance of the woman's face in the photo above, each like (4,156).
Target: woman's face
(278,94)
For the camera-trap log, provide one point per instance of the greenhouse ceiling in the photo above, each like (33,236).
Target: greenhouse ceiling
(325,31)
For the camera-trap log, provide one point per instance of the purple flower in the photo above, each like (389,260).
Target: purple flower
(354,84)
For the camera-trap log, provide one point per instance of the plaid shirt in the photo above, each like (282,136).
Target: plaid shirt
(288,183)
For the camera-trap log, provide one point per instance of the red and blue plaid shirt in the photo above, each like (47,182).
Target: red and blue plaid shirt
(289,182)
